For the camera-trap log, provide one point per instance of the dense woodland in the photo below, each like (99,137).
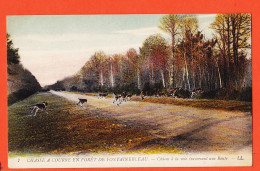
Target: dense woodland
(21,83)
(220,66)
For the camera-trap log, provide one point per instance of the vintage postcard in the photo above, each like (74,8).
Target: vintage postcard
(137,90)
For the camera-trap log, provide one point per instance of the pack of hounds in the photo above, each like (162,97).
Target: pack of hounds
(118,99)
(123,97)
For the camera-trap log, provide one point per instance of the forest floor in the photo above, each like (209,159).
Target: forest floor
(132,127)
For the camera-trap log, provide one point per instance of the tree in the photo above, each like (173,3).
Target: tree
(233,32)
(156,52)
(171,23)
(188,25)
(188,28)
(21,82)
(98,65)
(130,66)
(12,53)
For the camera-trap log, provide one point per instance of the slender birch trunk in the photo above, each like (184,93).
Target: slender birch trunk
(200,79)
(101,78)
(187,72)
(152,74)
(183,77)
(111,76)
(219,76)
(163,81)
(194,82)
(138,79)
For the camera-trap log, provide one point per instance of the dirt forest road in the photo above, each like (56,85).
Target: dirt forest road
(191,129)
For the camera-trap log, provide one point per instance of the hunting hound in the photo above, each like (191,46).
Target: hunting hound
(82,101)
(40,106)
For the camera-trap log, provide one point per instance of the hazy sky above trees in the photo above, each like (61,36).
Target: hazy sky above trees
(53,47)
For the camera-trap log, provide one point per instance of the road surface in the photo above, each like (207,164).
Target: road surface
(191,129)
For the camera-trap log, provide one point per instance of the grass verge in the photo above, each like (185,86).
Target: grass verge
(230,105)
(70,129)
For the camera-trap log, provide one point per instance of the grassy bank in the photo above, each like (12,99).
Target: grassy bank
(68,128)
(19,95)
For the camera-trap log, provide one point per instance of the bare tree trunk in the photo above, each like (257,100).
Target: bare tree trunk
(244,82)
(187,72)
(171,72)
(200,79)
(219,76)
(193,78)
(163,81)
(205,78)
(228,49)
(170,78)
(111,76)
(194,81)
(238,71)
(234,28)
(152,75)
(138,79)
(101,78)
(225,69)
(183,77)
(173,58)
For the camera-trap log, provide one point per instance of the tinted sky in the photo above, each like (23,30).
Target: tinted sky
(53,47)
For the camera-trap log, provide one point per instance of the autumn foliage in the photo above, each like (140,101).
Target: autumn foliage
(189,61)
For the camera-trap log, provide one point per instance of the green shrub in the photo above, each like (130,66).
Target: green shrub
(19,95)
(227,94)
(246,94)
(183,93)
(208,94)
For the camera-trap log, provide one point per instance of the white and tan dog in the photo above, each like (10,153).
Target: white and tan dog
(40,106)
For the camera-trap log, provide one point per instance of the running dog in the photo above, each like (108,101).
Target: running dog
(124,96)
(102,95)
(82,101)
(117,99)
(40,106)
(129,97)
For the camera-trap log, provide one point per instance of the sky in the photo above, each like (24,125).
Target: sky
(53,47)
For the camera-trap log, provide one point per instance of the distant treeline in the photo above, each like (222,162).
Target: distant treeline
(21,83)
